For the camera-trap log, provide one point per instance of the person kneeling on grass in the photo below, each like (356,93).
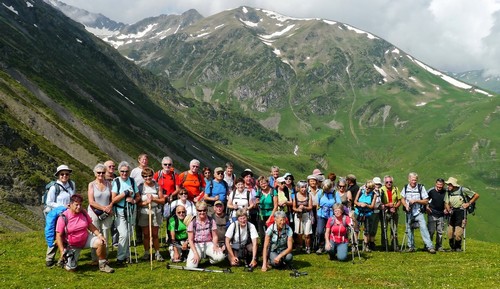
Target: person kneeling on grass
(178,234)
(72,235)
(278,244)
(241,241)
(336,233)
(203,240)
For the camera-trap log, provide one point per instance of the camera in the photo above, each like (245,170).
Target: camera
(103,216)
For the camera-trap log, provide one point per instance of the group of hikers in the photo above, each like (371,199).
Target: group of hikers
(216,215)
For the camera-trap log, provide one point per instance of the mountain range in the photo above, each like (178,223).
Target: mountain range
(246,85)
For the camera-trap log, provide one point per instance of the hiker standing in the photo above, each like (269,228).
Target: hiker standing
(59,195)
(414,200)
(216,190)
(192,181)
(458,199)
(324,211)
(302,206)
(166,179)
(267,203)
(391,200)
(100,207)
(124,199)
(436,212)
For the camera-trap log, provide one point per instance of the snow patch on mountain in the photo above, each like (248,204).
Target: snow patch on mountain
(11,8)
(278,33)
(359,31)
(249,23)
(443,76)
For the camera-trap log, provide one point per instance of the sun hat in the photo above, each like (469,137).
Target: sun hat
(452,181)
(218,169)
(62,168)
(317,172)
(218,202)
(377,181)
(280,180)
(288,175)
(312,177)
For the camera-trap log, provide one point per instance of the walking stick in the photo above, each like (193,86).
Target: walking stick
(134,234)
(384,229)
(129,228)
(150,236)
(464,223)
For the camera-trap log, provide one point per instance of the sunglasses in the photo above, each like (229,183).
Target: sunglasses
(219,173)
(388,182)
(100,173)
(64,174)
(147,176)
(181,212)
(111,166)
(341,186)
(167,165)
(201,211)
(182,194)
(123,172)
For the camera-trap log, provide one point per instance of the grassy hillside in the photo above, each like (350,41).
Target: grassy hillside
(23,266)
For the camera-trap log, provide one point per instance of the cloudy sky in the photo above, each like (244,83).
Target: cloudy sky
(450,35)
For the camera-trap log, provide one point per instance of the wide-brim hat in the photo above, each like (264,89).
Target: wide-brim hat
(288,175)
(312,177)
(62,168)
(218,202)
(452,181)
(218,169)
(280,180)
(187,220)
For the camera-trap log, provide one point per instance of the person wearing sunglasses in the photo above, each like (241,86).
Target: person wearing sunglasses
(182,200)
(203,239)
(177,229)
(100,207)
(166,178)
(192,181)
(59,195)
(391,201)
(216,190)
(151,197)
(124,191)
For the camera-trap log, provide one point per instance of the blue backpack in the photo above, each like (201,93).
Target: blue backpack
(50,224)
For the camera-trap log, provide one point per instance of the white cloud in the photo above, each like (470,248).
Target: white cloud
(452,35)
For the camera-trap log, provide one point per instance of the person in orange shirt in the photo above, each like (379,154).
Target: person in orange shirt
(192,181)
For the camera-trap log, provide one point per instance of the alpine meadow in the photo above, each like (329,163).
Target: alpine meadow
(248,86)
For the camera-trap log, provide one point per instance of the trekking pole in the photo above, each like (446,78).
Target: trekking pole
(393,234)
(384,229)
(150,236)
(133,234)
(127,219)
(228,270)
(464,223)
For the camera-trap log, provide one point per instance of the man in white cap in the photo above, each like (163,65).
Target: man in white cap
(458,201)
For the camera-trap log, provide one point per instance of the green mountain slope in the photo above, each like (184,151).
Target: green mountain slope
(343,100)
(67,97)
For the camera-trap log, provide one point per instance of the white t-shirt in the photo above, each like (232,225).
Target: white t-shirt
(235,243)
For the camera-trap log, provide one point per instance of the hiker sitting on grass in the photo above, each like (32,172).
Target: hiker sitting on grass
(241,241)
(203,240)
(178,234)
(278,244)
(72,235)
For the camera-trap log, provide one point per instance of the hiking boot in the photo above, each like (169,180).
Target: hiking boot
(50,263)
(432,251)
(410,250)
(320,251)
(441,249)
(458,250)
(308,250)
(366,247)
(121,263)
(104,267)
(158,257)
(145,257)
(371,246)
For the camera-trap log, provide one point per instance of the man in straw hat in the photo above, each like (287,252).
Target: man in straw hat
(458,199)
